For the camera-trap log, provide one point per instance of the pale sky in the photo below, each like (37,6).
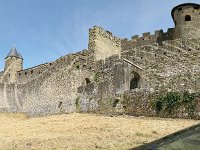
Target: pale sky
(44,30)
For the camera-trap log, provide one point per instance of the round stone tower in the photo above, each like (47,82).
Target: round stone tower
(13,63)
(187,20)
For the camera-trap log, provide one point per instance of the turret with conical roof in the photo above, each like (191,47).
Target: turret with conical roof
(13,63)
(13,53)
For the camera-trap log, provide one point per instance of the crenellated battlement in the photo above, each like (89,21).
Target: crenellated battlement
(147,37)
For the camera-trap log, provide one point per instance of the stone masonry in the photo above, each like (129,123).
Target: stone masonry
(113,75)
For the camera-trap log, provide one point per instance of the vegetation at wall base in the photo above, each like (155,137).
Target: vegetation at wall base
(77,103)
(172,101)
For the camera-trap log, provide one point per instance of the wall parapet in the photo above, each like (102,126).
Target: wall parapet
(147,37)
(80,60)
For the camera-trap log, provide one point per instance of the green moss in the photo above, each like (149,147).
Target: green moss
(77,66)
(97,77)
(77,102)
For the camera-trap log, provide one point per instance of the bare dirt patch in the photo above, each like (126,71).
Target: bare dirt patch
(83,131)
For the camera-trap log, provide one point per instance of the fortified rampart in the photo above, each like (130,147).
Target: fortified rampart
(103,43)
(113,76)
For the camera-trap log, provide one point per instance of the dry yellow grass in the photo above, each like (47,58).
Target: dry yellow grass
(83,131)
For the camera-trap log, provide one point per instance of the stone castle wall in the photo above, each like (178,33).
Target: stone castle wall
(103,43)
(172,66)
(113,76)
(77,82)
(49,88)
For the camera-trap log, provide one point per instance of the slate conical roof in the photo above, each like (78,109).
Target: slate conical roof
(13,53)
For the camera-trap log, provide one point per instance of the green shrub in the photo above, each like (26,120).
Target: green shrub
(175,99)
(168,101)
(188,97)
(172,99)
(159,103)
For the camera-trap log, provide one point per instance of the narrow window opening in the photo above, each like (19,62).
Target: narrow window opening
(60,104)
(187,18)
(87,80)
(115,103)
(31,71)
(179,9)
(25,73)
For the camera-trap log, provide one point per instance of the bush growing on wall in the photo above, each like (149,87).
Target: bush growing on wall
(175,99)
(159,102)
(172,99)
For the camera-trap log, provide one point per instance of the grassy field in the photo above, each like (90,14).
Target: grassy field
(83,131)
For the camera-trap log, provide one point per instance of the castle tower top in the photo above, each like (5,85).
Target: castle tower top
(186,19)
(13,53)
(185,5)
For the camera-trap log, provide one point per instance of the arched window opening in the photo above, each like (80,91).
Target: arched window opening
(87,80)
(187,18)
(135,81)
